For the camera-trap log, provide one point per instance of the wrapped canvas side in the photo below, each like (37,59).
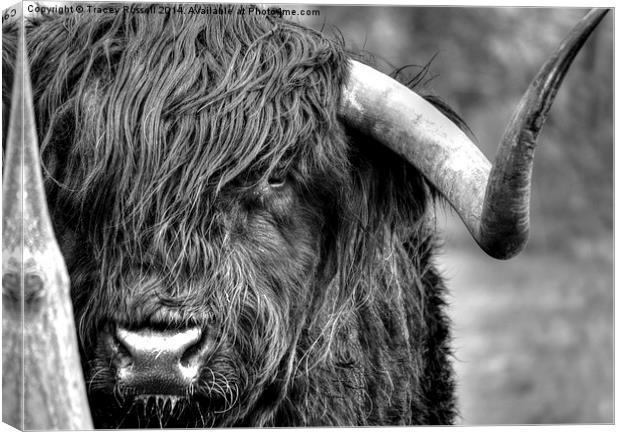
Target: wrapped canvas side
(43,387)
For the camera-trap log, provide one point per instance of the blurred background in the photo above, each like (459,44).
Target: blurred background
(533,337)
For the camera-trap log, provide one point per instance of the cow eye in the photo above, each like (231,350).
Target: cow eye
(277,182)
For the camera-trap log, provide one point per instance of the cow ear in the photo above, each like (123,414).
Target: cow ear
(390,194)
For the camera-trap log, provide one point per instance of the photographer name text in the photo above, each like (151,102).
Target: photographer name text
(197,9)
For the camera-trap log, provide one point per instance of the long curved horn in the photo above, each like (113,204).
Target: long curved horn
(492,201)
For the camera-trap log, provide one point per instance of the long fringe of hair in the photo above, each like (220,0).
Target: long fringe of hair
(148,123)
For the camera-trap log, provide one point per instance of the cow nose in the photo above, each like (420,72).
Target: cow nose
(157,362)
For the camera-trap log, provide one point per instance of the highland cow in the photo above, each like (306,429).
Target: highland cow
(245,218)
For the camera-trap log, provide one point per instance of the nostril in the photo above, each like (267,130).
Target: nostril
(194,352)
(121,356)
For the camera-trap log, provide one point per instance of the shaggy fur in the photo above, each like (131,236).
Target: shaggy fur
(197,174)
